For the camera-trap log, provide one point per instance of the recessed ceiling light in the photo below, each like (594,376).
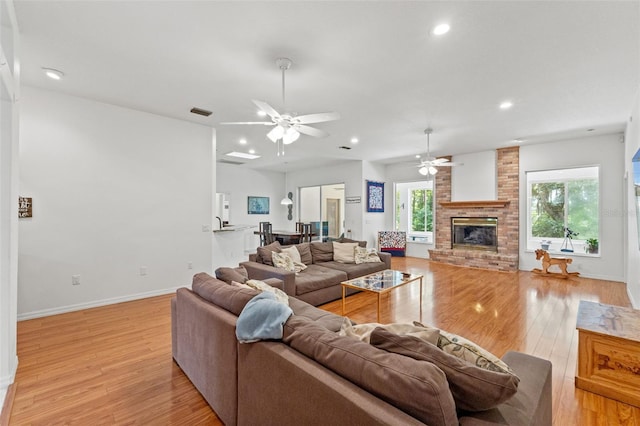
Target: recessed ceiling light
(242,155)
(417,155)
(243,141)
(518,140)
(262,113)
(252,151)
(53,73)
(441,29)
(506,105)
(354,140)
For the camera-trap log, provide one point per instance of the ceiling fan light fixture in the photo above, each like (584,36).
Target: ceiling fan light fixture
(423,171)
(276,133)
(290,136)
(433,170)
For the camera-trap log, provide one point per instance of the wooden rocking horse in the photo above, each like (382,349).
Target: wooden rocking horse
(548,261)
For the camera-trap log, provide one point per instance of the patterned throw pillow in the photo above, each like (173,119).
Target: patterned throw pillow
(365,255)
(470,352)
(284,261)
(344,252)
(261,286)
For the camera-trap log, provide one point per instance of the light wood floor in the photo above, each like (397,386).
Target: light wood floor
(112,365)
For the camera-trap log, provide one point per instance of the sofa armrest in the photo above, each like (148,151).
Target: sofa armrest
(259,271)
(275,282)
(386,258)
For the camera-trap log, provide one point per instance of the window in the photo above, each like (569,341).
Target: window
(414,210)
(561,199)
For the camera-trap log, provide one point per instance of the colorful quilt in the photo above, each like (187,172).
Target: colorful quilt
(394,242)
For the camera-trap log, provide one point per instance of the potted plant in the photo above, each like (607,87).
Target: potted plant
(592,245)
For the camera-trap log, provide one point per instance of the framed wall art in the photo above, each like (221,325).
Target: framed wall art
(257,205)
(375,197)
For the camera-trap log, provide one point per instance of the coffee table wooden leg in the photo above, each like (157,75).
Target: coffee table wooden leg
(379,294)
(343,294)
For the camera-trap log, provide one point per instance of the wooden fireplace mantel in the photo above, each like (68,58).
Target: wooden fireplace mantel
(481,203)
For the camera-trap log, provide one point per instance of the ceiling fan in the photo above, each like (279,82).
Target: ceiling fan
(429,165)
(288,127)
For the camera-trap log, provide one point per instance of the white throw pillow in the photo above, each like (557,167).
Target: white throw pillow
(344,252)
(365,255)
(293,253)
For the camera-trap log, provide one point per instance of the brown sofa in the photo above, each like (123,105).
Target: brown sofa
(272,383)
(320,282)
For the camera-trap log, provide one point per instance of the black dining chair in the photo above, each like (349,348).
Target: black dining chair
(262,227)
(305,233)
(268,234)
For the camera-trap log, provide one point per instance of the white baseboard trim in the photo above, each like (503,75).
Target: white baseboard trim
(94,304)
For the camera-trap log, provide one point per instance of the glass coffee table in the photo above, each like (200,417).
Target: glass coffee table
(380,283)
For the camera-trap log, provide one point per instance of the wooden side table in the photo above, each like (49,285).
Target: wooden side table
(609,351)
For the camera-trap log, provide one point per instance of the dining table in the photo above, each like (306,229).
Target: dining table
(286,237)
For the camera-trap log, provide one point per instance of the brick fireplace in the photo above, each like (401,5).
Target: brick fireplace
(505,210)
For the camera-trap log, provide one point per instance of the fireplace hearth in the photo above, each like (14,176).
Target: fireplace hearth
(474,233)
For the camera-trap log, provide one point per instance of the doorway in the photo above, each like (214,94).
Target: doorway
(323,207)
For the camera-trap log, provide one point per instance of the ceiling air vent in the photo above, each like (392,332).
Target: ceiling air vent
(344,147)
(200,111)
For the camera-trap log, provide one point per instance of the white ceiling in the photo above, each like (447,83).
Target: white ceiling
(567,66)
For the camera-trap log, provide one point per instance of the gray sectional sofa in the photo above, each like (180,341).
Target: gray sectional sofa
(320,282)
(315,376)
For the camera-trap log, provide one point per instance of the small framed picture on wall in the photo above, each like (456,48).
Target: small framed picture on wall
(375,197)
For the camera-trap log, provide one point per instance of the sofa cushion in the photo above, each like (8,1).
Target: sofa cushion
(322,252)
(292,252)
(228,297)
(305,253)
(473,388)
(344,252)
(416,387)
(349,240)
(264,253)
(316,277)
(227,274)
(354,271)
(284,261)
(326,319)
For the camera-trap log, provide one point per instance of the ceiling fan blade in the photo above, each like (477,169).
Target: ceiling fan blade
(439,161)
(264,123)
(447,164)
(311,131)
(267,109)
(317,118)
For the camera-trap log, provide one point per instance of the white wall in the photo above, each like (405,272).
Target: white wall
(632,145)
(475,179)
(238,183)
(607,151)
(9,142)
(374,222)
(113,190)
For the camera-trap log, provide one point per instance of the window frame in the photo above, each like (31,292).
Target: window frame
(579,244)
(423,237)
